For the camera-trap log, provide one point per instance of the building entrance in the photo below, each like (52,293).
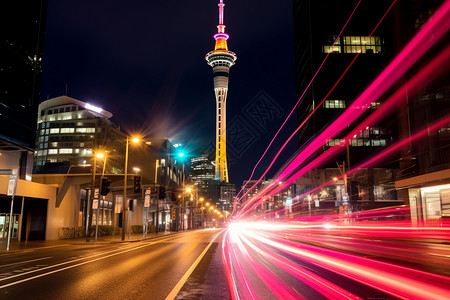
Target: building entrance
(4,224)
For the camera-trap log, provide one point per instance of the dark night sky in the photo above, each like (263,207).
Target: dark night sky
(144,62)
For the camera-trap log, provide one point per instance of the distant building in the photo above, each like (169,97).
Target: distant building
(202,171)
(69,131)
(222,194)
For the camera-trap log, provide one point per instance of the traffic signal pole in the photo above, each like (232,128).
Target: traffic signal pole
(157,211)
(124,201)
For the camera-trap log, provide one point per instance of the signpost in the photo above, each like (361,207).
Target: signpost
(12,187)
(95,206)
(147,196)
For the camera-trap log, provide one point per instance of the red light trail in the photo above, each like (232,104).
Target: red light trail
(372,254)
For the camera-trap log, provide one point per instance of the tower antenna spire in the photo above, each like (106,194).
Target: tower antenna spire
(221,6)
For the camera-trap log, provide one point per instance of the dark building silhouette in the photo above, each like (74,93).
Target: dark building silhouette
(21,54)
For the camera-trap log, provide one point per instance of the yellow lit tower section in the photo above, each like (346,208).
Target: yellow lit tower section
(221,60)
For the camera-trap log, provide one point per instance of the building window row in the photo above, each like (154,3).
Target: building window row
(359,142)
(334,104)
(354,44)
(58,110)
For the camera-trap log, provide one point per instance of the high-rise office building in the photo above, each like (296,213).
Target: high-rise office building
(70,131)
(317,25)
(202,171)
(221,59)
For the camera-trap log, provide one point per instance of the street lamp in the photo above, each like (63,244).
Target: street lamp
(89,209)
(124,201)
(201,210)
(99,155)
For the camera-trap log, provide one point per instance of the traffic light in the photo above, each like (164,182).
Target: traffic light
(104,186)
(162,192)
(137,184)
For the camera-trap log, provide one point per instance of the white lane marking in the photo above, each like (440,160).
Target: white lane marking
(24,262)
(70,267)
(185,277)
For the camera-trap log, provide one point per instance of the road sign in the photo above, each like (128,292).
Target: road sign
(288,201)
(147,200)
(12,186)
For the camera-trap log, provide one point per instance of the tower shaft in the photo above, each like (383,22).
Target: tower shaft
(221,133)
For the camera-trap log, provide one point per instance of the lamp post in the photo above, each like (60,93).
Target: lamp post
(99,155)
(124,202)
(90,200)
(201,209)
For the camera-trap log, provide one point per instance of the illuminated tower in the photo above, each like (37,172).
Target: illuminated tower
(221,60)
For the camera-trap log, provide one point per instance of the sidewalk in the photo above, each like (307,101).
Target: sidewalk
(117,238)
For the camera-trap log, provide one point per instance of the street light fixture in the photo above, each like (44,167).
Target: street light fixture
(89,210)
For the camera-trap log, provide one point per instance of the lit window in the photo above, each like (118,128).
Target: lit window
(65,151)
(331,49)
(54,144)
(354,44)
(334,104)
(86,152)
(76,151)
(67,130)
(52,151)
(54,130)
(375,105)
(67,117)
(86,130)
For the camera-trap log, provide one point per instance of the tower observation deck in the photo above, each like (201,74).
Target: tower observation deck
(221,59)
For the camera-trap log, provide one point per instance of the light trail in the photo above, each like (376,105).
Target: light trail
(439,24)
(310,115)
(285,247)
(296,104)
(288,254)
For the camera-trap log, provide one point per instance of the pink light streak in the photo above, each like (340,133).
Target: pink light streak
(438,24)
(292,111)
(271,246)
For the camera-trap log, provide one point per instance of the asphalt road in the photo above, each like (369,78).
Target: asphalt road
(182,266)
